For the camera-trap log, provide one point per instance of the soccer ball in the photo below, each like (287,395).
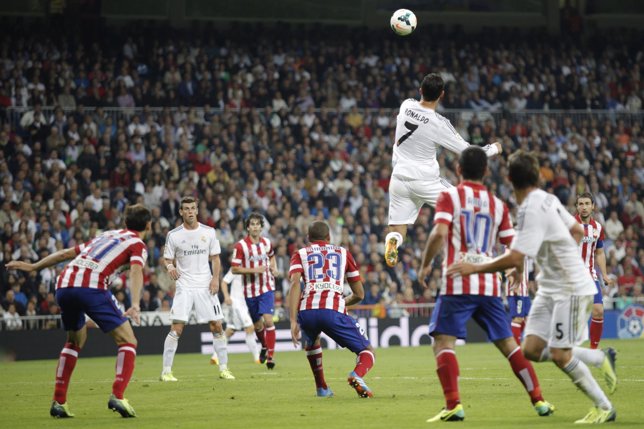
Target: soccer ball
(403,22)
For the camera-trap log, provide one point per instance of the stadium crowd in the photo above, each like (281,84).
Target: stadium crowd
(299,129)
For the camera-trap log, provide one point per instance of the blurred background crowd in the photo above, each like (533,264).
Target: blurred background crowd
(298,128)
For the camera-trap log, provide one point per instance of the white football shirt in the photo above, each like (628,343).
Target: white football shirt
(418,131)
(191,250)
(543,233)
(235,286)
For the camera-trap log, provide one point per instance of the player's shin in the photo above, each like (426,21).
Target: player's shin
(169,349)
(66,364)
(524,371)
(364,363)
(314,356)
(583,379)
(124,368)
(252,346)
(448,372)
(595,331)
(270,341)
(220,345)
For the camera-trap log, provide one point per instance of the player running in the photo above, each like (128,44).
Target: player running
(469,220)
(415,179)
(559,313)
(318,306)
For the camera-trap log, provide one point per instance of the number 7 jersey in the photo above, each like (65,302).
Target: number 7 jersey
(476,219)
(323,267)
(419,131)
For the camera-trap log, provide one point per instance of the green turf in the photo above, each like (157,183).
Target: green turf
(404,381)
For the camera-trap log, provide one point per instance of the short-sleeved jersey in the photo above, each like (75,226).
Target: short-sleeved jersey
(235,286)
(522,289)
(476,219)
(593,240)
(543,233)
(418,133)
(192,249)
(100,260)
(247,254)
(324,267)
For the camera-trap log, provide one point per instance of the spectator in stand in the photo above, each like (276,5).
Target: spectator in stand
(11,318)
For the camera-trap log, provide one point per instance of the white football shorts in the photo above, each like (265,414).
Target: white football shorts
(406,197)
(237,316)
(561,321)
(206,305)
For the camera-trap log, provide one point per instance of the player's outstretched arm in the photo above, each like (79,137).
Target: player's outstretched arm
(293,301)
(48,261)
(433,246)
(513,259)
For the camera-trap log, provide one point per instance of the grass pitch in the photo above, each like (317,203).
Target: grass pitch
(404,382)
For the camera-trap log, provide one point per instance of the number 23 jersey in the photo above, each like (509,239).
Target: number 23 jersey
(323,267)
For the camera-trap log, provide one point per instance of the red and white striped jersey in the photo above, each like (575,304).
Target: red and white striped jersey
(476,218)
(324,267)
(101,259)
(593,239)
(247,254)
(522,289)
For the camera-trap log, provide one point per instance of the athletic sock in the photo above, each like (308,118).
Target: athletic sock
(596,329)
(169,349)
(364,363)
(517,329)
(447,370)
(314,355)
(252,346)
(583,379)
(124,368)
(524,371)
(270,342)
(220,345)
(261,337)
(66,363)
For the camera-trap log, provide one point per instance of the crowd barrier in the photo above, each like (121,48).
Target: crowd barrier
(382,332)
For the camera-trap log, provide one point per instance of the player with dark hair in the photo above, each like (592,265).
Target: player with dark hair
(415,179)
(592,251)
(468,222)
(191,256)
(319,306)
(254,258)
(560,310)
(83,289)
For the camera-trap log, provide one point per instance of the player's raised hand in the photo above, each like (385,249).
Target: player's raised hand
(514,278)
(295,333)
(19,265)
(498,146)
(460,269)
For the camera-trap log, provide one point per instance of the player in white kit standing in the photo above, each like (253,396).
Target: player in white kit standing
(236,313)
(415,179)
(190,249)
(548,233)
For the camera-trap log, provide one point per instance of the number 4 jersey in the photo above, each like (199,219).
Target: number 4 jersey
(475,218)
(418,131)
(323,267)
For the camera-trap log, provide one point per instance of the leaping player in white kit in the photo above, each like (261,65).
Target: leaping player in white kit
(236,314)
(415,179)
(190,249)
